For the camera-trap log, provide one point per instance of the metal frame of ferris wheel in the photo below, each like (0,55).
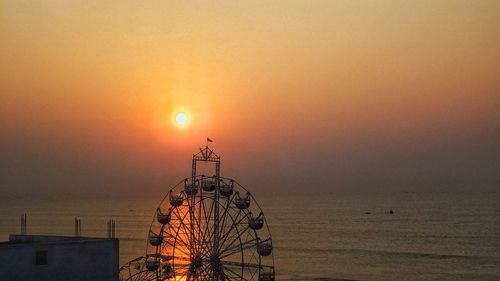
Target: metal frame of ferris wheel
(206,155)
(221,241)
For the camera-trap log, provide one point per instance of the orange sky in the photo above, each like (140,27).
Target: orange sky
(325,93)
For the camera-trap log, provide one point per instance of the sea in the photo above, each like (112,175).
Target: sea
(317,235)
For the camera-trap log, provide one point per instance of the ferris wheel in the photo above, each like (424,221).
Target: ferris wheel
(206,228)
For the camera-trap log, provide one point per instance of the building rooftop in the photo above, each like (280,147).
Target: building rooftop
(16,239)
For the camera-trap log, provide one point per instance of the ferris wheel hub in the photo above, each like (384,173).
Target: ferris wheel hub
(197,261)
(214,261)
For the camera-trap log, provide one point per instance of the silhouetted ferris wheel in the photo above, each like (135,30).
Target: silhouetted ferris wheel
(206,228)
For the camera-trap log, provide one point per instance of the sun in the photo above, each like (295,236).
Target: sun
(181,119)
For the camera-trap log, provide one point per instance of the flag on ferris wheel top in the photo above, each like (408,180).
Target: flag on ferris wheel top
(209,140)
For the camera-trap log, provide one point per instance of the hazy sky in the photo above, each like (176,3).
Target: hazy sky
(332,95)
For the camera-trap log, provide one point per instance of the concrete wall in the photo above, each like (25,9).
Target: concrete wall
(68,258)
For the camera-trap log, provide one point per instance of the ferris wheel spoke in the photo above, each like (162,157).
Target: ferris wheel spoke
(238,248)
(180,270)
(195,226)
(180,250)
(179,239)
(207,217)
(227,277)
(206,272)
(183,259)
(203,251)
(241,264)
(186,274)
(180,223)
(226,211)
(198,209)
(234,273)
(251,268)
(211,273)
(235,237)
(219,275)
(238,237)
(200,243)
(183,265)
(169,244)
(211,227)
(225,220)
(233,226)
(190,227)
(188,232)
(207,232)
(255,272)
(208,221)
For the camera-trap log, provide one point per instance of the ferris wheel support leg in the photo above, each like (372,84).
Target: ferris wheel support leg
(216,213)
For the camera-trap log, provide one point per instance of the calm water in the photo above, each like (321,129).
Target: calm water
(430,236)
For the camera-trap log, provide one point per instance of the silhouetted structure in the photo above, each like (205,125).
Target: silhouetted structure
(58,258)
(205,230)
